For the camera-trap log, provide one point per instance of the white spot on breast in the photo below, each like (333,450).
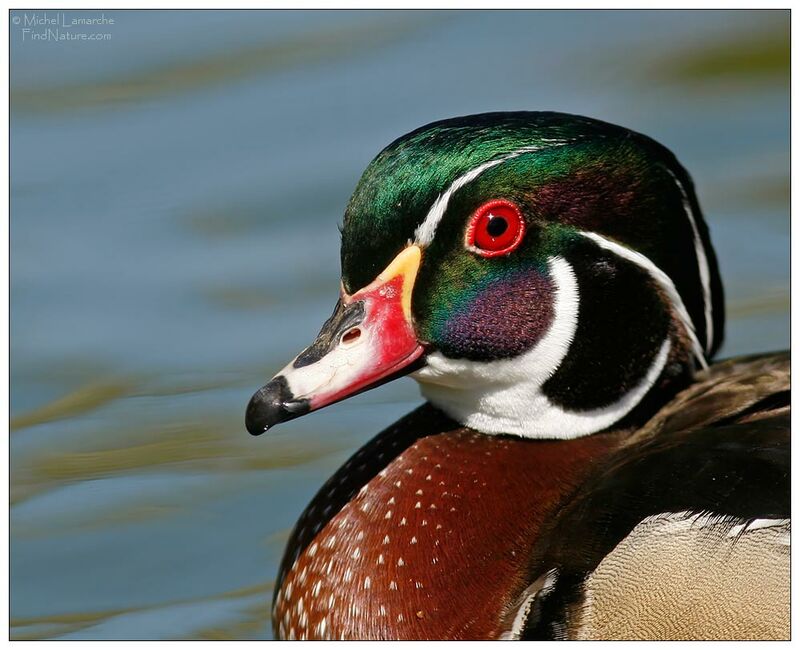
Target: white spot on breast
(380,559)
(429,477)
(382,611)
(386,539)
(403,521)
(398,483)
(312,550)
(367,582)
(357,553)
(388,514)
(392,586)
(289,587)
(409,471)
(322,626)
(360,535)
(413,540)
(419,492)
(419,585)
(390,502)
(348,575)
(315,590)
(401,562)
(424,522)
(418,504)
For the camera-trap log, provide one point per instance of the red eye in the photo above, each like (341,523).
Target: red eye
(496,228)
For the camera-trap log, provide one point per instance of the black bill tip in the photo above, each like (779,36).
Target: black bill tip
(271,405)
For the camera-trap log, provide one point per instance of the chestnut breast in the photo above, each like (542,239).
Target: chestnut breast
(425,533)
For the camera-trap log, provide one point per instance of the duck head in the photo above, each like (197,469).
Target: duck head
(540,274)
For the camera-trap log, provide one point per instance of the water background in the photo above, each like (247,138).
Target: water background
(175,193)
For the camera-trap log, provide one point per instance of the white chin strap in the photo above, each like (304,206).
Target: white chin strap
(505,397)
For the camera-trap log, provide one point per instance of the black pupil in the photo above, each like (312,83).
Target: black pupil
(496,226)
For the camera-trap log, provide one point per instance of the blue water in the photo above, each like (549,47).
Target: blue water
(175,195)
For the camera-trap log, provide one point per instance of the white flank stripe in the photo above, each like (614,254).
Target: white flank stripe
(425,233)
(663,279)
(758,524)
(685,518)
(677,522)
(702,261)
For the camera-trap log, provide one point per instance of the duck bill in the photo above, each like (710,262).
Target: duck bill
(368,341)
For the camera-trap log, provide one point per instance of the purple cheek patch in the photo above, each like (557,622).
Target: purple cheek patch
(504,320)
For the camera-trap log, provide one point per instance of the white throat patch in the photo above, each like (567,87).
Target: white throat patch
(505,396)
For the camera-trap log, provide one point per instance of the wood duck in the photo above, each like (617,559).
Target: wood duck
(578,470)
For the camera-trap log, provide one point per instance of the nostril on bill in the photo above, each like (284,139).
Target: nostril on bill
(351,336)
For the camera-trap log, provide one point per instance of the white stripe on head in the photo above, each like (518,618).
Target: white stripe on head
(426,231)
(505,396)
(702,261)
(663,281)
